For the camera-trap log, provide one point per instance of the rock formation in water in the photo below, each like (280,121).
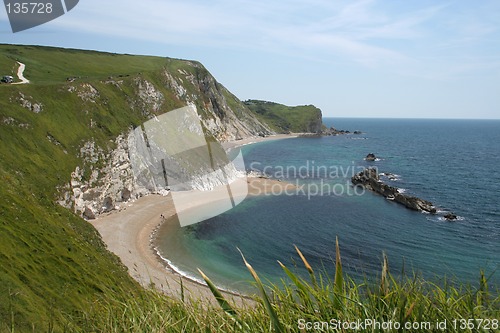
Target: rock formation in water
(333,131)
(369,178)
(450,217)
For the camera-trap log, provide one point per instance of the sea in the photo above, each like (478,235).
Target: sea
(455,164)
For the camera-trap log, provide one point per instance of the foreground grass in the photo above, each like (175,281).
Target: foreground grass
(319,303)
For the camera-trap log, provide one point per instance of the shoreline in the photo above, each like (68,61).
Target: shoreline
(172,269)
(131,232)
(248,141)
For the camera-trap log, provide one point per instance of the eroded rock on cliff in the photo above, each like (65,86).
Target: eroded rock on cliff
(149,98)
(172,152)
(103,182)
(29,103)
(169,152)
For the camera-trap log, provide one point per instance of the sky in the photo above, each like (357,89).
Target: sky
(366,58)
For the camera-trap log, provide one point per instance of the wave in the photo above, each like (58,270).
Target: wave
(190,276)
(459,218)
(440,216)
(177,270)
(390,176)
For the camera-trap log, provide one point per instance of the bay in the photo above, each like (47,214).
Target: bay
(452,163)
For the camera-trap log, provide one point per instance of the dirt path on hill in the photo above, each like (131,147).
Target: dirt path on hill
(20,74)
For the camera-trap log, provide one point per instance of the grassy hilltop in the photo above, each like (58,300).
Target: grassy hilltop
(47,65)
(282,118)
(55,272)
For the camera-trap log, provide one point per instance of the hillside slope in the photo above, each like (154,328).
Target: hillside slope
(53,263)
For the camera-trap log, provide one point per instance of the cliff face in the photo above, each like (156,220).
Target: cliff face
(168,152)
(171,152)
(226,117)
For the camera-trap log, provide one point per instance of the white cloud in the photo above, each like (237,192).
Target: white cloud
(367,32)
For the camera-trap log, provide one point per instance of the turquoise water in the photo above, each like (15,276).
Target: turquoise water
(453,163)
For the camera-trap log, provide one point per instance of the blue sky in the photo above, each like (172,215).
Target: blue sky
(367,58)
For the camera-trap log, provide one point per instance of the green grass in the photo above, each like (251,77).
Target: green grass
(47,65)
(51,260)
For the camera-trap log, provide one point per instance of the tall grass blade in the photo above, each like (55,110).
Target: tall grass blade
(182,290)
(384,282)
(483,292)
(304,260)
(409,312)
(308,267)
(224,304)
(338,282)
(303,289)
(272,314)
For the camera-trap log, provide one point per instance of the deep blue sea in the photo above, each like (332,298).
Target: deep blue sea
(453,163)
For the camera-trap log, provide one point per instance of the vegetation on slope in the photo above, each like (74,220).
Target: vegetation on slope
(53,263)
(285,119)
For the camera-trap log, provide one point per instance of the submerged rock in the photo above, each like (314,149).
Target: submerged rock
(450,217)
(371,157)
(333,131)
